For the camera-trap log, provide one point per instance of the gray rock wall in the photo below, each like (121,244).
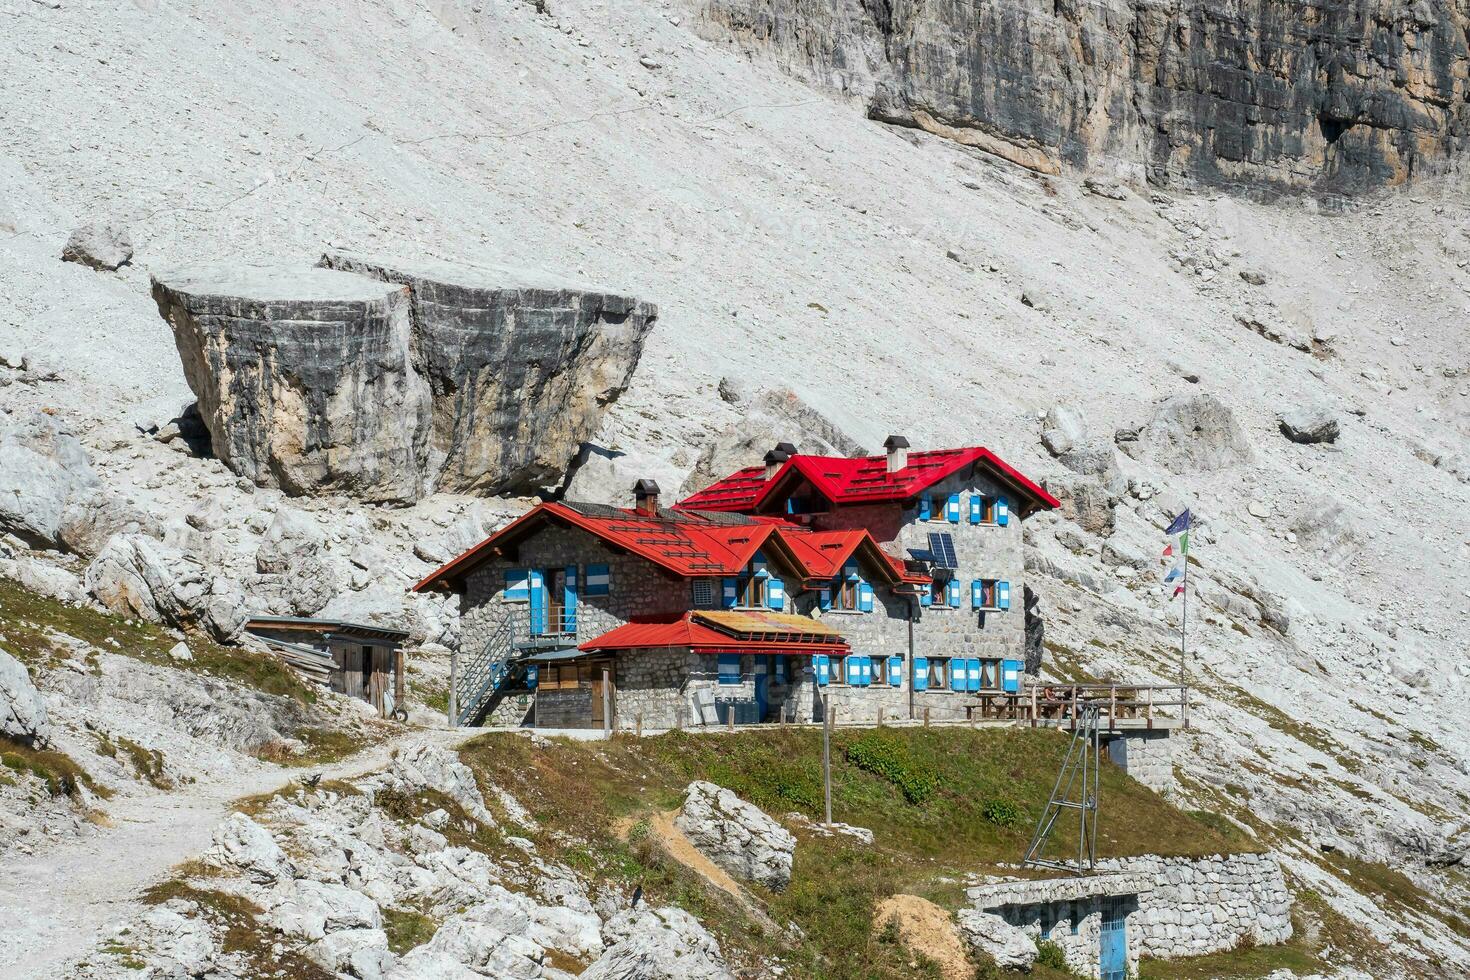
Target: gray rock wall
(1264,94)
(389,380)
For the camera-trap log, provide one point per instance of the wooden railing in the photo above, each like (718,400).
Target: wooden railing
(1130,706)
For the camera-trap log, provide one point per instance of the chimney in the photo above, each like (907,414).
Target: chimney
(774,460)
(898,452)
(785,447)
(645,498)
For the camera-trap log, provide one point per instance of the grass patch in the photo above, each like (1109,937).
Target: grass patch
(942,802)
(59,771)
(148,763)
(407,930)
(27,620)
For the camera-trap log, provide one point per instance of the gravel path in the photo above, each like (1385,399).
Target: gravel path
(57,905)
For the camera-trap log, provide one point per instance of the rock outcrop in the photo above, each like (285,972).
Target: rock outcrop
(1191,433)
(102,246)
(304,376)
(22,709)
(45,479)
(520,368)
(134,575)
(387,380)
(1309,424)
(658,944)
(737,836)
(1268,94)
(1007,945)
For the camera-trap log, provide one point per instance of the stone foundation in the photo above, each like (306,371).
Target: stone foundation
(1147,756)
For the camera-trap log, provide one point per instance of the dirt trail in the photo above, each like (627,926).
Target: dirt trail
(924,927)
(57,905)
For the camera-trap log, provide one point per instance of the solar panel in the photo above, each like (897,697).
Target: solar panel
(941,545)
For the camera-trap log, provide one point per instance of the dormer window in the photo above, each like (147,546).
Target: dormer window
(847,592)
(754,588)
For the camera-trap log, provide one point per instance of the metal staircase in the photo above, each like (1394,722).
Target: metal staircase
(478,676)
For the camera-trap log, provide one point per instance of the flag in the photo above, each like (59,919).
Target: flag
(1181,523)
(1168,549)
(1184,541)
(1177,589)
(1173,574)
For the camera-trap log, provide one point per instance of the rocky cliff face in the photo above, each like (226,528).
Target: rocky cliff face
(385,380)
(1265,94)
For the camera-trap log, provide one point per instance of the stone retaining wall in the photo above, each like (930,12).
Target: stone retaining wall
(1204,905)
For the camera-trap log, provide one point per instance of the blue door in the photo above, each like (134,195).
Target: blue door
(1113,942)
(762,678)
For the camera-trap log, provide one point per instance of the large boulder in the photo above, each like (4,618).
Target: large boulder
(1309,424)
(44,477)
(737,836)
(521,367)
(657,944)
(1085,501)
(311,909)
(361,953)
(134,575)
(104,246)
(1191,433)
(1008,946)
(22,709)
(304,377)
(246,846)
(1063,429)
(427,766)
(466,947)
(767,418)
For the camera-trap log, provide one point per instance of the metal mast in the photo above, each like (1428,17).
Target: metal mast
(1076,789)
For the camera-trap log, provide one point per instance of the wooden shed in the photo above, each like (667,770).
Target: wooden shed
(356,659)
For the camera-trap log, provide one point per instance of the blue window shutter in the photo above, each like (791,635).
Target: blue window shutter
(729,592)
(924,507)
(1002,511)
(569,601)
(854,670)
(952,509)
(865,597)
(515,584)
(867,671)
(921,673)
(1002,595)
(952,592)
(977,597)
(822,667)
(973,684)
(1011,676)
(729,668)
(976,505)
(824,599)
(536,586)
(926,598)
(781,670)
(533,674)
(775,593)
(599,580)
(957,674)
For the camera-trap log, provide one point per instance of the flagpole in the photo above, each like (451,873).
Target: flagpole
(1183,642)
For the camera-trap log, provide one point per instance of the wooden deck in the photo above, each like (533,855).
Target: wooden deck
(1121,707)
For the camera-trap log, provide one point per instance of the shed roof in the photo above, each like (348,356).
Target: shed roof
(306,624)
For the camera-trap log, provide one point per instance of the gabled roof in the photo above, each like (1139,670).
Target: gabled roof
(862,479)
(687,543)
(725,631)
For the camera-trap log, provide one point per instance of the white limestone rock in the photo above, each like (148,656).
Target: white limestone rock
(477,946)
(241,843)
(430,767)
(1063,429)
(737,836)
(44,472)
(657,944)
(104,246)
(22,709)
(134,575)
(361,953)
(1008,946)
(1310,424)
(312,909)
(1192,433)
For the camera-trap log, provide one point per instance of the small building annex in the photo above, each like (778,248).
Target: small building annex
(359,660)
(886,585)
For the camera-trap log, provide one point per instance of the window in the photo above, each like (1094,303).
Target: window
(838,670)
(703,596)
(844,594)
(729,669)
(938,673)
(939,594)
(752,589)
(989,510)
(989,593)
(990,674)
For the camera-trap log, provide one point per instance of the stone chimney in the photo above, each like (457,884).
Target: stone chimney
(786,447)
(898,452)
(775,459)
(645,498)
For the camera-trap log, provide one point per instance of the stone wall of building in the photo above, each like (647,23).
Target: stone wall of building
(1205,905)
(1147,756)
(1069,912)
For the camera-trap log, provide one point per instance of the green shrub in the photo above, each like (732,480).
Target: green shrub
(886,756)
(1050,955)
(1002,813)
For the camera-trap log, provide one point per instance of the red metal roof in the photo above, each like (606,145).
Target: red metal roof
(687,631)
(859,480)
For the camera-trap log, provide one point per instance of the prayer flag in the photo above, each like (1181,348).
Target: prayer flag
(1173,574)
